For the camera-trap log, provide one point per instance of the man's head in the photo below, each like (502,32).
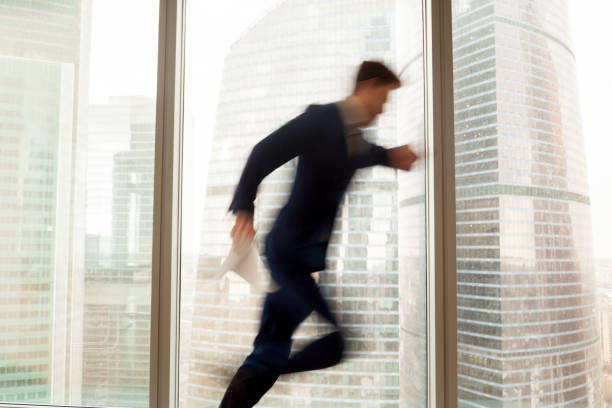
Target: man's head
(372,86)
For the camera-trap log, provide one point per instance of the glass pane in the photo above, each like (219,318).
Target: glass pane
(527,325)
(246,77)
(77,117)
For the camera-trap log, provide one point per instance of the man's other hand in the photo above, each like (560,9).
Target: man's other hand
(401,157)
(243,231)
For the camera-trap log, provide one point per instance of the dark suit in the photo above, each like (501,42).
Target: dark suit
(297,243)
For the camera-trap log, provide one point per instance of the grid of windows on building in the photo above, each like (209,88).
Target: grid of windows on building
(527,327)
(118,258)
(42,90)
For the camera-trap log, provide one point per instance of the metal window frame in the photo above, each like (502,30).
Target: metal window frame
(440,208)
(167,217)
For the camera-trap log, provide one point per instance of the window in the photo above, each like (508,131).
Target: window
(527,312)
(77,126)
(114,200)
(245,77)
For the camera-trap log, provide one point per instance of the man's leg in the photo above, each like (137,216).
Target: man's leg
(324,352)
(281,315)
(283,312)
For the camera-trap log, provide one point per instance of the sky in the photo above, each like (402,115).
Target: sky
(591,31)
(124,60)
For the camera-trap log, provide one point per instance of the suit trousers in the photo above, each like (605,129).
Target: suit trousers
(283,311)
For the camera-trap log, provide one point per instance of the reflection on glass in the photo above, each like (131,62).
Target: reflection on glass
(300,53)
(527,331)
(76,214)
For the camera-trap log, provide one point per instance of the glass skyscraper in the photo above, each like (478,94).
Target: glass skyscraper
(43,90)
(527,327)
(117,305)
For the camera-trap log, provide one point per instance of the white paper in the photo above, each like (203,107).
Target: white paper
(244,260)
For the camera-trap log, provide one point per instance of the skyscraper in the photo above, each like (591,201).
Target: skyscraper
(43,75)
(527,327)
(303,52)
(117,306)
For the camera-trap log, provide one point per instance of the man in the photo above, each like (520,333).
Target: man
(330,147)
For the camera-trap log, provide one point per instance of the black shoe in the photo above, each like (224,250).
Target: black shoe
(247,387)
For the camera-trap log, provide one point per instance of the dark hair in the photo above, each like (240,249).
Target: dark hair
(374,69)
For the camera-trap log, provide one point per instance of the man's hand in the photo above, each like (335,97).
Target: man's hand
(243,231)
(401,157)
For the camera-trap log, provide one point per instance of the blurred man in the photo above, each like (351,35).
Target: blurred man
(330,147)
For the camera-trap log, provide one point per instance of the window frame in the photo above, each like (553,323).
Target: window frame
(440,205)
(167,217)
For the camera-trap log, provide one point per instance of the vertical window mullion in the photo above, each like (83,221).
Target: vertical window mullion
(166,208)
(440,197)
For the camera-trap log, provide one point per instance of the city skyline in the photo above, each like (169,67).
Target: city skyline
(81,259)
(216,28)
(68,337)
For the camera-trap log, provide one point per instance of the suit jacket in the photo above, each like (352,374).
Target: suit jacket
(303,227)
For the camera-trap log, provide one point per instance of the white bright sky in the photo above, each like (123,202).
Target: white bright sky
(124,59)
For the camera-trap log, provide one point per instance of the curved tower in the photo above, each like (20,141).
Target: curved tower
(303,52)
(527,331)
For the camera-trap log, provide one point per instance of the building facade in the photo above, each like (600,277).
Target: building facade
(43,75)
(527,325)
(117,305)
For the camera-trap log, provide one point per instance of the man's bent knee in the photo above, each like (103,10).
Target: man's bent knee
(337,344)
